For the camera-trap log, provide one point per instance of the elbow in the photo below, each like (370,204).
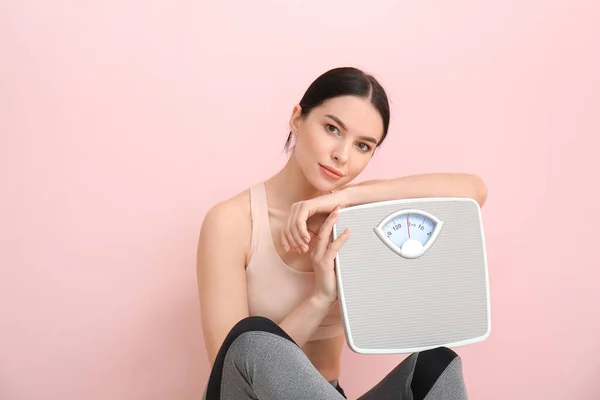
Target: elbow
(480,191)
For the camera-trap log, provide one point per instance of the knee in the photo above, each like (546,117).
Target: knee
(441,355)
(434,361)
(429,366)
(256,324)
(252,337)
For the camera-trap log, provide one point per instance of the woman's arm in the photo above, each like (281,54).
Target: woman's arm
(295,236)
(426,185)
(325,293)
(304,320)
(222,283)
(221,276)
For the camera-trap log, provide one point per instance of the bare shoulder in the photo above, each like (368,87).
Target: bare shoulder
(232,212)
(229,221)
(238,204)
(223,249)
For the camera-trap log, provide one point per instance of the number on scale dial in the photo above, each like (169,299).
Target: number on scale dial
(409,233)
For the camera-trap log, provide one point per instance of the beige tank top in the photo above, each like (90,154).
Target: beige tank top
(274,288)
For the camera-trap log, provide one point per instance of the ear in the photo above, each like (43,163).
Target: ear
(295,119)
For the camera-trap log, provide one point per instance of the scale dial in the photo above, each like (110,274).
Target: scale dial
(409,233)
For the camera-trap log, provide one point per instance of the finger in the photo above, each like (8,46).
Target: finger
(334,247)
(284,241)
(287,230)
(325,233)
(294,246)
(292,229)
(295,232)
(302,217)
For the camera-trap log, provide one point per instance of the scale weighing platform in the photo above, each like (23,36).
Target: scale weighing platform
(413,275)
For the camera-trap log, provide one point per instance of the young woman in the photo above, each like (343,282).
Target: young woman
(268,294)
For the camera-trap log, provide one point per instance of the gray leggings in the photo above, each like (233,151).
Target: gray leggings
(258,360)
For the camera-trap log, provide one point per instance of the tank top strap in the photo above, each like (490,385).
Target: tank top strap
(259,212)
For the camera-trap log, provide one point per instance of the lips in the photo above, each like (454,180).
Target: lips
(334,173)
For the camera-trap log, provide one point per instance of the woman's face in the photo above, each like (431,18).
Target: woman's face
(336,140)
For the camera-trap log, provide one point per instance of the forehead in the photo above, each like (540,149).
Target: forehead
(357,113)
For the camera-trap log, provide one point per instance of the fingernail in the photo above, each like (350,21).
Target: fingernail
(304,249)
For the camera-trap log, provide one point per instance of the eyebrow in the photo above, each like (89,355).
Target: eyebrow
(337,120)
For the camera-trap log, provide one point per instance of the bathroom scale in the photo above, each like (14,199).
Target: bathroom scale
(413,275)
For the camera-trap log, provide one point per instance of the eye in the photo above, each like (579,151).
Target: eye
(364,147)
(331,128)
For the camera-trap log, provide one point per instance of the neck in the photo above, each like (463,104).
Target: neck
(290,185)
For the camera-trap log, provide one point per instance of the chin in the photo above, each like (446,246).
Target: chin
(319,181)
(326,185)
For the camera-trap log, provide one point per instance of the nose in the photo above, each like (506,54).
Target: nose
(340,154)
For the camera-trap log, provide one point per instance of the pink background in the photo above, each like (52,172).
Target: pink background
(122,122)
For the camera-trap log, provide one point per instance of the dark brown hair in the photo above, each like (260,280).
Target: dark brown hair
(345,81)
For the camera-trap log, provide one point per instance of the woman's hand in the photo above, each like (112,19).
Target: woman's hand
(323,255)
(295,235)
